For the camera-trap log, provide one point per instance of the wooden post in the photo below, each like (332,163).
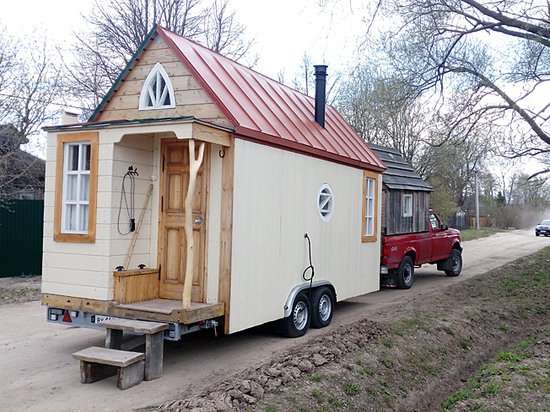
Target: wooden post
(194,165)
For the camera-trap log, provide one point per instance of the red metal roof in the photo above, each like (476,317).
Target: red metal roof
(264,110)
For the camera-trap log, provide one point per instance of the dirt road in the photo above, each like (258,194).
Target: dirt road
(39,374)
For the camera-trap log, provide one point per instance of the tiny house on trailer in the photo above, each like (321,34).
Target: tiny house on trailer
(201,192)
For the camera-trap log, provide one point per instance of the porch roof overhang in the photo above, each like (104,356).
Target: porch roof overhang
(185,127)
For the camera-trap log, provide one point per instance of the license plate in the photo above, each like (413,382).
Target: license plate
(99,318)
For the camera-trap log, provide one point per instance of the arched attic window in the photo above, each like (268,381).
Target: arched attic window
(157,91)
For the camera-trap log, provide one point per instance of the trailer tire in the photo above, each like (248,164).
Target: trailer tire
(405,273)
(322,307)
(298,322)
(455,263)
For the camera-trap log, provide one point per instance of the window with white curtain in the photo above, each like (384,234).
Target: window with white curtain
(76,187)
(370,206)
(76,174)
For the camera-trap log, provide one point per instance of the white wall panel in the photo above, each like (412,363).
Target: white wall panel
(79,291)
(275,204)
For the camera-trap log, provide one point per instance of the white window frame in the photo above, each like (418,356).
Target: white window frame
(369,225)
(152,91)
(370,207)
(64,139)
(81,202)
(407,205)
(325,202)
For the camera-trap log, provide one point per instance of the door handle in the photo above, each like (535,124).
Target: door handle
(199,220)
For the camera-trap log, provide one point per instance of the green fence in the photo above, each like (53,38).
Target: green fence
(21,226)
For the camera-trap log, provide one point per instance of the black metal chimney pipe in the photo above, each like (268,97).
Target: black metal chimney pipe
(320,91)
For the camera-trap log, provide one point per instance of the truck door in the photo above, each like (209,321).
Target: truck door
(440,241)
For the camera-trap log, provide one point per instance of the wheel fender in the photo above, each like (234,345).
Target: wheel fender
(410,251)
(299,288)
(457,245)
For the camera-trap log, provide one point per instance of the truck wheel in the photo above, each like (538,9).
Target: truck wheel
(297,323)
(455,260)
(405,273)
(322,307)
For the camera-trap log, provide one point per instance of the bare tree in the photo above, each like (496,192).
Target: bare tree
(116,29)
(30,88)
(224,34)
(458,150)
(496,50)
(304,79)
(378,108)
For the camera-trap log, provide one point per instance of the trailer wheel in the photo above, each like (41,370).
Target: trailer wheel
(455,260)
(322,307)
(297,323)
(405,273)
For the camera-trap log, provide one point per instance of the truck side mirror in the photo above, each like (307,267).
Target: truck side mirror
(444,227)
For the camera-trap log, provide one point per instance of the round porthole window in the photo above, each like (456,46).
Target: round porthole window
(325,202)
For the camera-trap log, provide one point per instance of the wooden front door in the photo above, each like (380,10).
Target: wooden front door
(172,243)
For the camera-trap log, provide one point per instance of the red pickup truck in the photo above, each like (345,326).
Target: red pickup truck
(402,253)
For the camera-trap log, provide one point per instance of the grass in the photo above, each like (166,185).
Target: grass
(438,338)
(350,388)
(499,384)
(470,234)
(13,294)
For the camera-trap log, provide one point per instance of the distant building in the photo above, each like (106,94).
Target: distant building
(21,174)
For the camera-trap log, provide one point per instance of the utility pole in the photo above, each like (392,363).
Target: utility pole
(477,204)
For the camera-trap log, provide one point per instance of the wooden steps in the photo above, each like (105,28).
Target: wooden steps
(132,367)
(98,363)
(154,341)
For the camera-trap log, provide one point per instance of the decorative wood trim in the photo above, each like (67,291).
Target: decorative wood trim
(194,165)
(226,231)
(376,177)
(93,138)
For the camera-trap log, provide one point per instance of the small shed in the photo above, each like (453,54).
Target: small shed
(405,196)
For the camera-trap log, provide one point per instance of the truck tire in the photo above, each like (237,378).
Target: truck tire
(322,307)
(405,273)
(455,263)
(298,322)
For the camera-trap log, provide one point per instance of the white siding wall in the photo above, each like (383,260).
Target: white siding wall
(275,204)
(136,151)
(78,269)
(85,269)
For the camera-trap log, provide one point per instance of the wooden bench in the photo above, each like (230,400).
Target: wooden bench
(153,338)
(97,363)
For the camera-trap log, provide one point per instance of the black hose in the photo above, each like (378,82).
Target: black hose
(310,267)
(130,174)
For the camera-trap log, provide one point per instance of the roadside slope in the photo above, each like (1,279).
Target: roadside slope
(412,357)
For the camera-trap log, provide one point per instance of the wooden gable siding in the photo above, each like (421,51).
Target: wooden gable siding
(191,99)
(393,221)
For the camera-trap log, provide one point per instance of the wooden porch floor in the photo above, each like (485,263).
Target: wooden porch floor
(165,306)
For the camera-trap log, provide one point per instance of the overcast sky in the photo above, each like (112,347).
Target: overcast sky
(284,29)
